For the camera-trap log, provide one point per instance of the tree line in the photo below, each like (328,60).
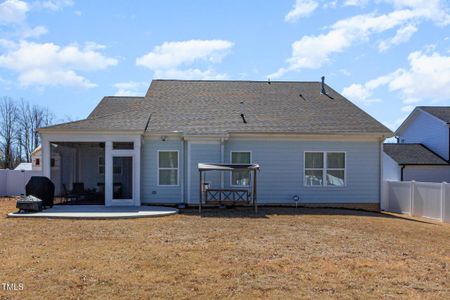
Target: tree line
(18,136)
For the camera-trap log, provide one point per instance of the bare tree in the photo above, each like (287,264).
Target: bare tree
(30,119)
(25,132)
(8,127)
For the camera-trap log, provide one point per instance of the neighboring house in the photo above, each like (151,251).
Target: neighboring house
(24,167)
(406,162)
(36,158)
(422,151)
(309,141)
(36,163)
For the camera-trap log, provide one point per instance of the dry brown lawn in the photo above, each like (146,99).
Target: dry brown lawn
(282,253)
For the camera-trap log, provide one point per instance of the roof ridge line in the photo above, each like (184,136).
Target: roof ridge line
(438,155)
(236,80)
(123,97)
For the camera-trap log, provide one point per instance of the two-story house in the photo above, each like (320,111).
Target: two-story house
(422,151)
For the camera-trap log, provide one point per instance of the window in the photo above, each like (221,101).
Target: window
(123,145)
(241,177)
(168,168)
(38,161)
(324,169)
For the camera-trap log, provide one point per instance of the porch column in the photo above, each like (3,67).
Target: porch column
(45,163)
(137,171)
(108,174)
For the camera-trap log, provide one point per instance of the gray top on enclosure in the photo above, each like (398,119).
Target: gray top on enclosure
(227,167)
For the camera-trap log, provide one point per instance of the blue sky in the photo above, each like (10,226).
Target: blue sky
(387,56)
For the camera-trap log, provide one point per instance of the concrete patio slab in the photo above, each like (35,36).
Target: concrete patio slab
(98,212)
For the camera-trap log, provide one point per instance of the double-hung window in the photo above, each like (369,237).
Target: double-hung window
(168,168)
(240,177)
(324,169)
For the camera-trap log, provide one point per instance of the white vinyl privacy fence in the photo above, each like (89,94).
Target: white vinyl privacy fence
(420,199)
(12,182)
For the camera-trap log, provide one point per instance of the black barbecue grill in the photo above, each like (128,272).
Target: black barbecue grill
(43,188)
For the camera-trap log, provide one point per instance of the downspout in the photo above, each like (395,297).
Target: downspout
(183,171)
(380,175)
(222,157)
(448,154)
(401,172)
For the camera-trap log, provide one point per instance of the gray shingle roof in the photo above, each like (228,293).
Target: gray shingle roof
(440,112)
(114,104)
(209,107)
(413,154)
(133,120)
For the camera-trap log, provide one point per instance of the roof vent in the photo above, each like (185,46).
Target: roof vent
(243,113)
(268,81)
(322,90)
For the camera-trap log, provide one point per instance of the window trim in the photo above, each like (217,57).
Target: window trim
(325,169)
(158,169)
(231,173)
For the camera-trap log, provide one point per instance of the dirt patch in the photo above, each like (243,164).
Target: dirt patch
(281,253)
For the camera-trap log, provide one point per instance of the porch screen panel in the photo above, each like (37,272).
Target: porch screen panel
(123,182)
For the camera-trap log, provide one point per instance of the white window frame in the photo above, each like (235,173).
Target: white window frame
(325,169)
(178,169)
(231,162)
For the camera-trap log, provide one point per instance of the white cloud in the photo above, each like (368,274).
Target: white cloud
(301,8)
(173,54)
(45,64)
(13,11)
(355,2)
(54,5)
(172,59)
(13,14)
(37,31)
(407,108)
(402,35)
(393,125)
(363,93)
(313,51)
(330,4)
(130,88)
(190,74)
(436,10)
(427,78)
